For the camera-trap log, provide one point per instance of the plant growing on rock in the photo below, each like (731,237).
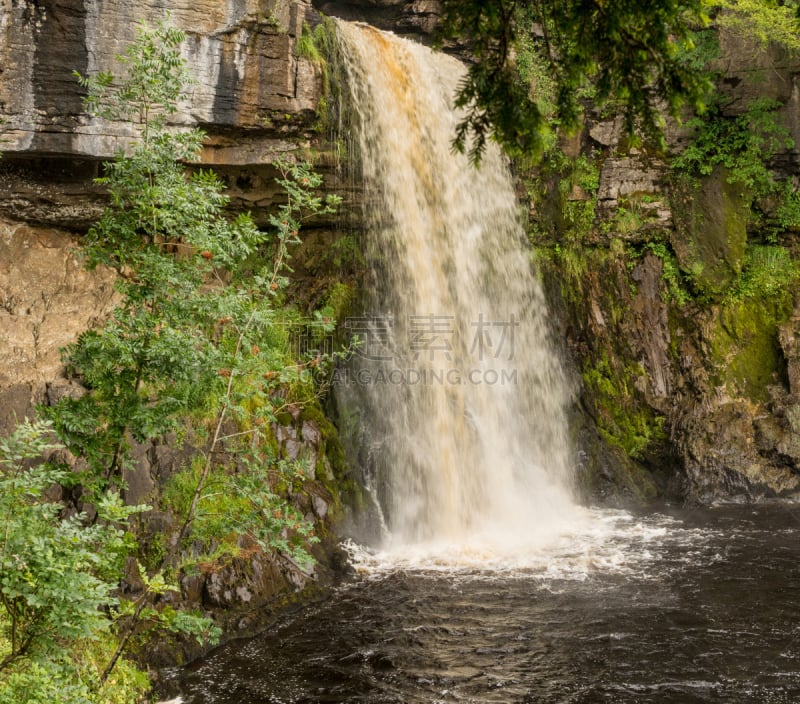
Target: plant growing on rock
(776,22)
(743,145)
(200,329)
(199,318)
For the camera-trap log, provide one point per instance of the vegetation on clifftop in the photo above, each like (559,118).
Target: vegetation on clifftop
(641,61)
(627,55)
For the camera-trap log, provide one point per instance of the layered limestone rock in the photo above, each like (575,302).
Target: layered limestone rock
(252,93)
(417,18)
(241,54)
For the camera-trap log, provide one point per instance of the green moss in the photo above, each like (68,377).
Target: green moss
(323,49)
(152,551)
(340,300)
(306,46)
(318,46)
(743,344)
(343,486)
(635,216)
(332,447)
(625,221)
(710,238)
(623,419)
(676,286)
(272,20)
(788,211)
(563,193)
(313,412)
(284,418)
(572,262)
(347,251)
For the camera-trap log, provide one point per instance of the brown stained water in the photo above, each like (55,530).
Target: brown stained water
(484,450)
(669,608)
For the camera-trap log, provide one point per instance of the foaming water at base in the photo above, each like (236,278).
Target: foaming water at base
(678,607)
(682,607)
(596,540)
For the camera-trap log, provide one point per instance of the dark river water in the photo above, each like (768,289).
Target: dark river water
(675,606)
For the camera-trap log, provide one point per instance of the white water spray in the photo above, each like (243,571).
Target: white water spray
(464,393)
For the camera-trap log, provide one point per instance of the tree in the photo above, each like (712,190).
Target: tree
(634,57)
(764,20)
(627,52)
(200,293)
(200,329)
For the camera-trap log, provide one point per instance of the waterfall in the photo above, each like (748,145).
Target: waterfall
(462,394)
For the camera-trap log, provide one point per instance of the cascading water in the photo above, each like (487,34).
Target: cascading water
(463,393)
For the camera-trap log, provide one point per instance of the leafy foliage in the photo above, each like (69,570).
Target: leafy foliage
(140,616)
(256,372)
(788,213)
(242,504)
(57,574)
(200,330)
(768,271)
(743,145)
(676,289)
(764,20)
(628,53)
(155,79)
(199,315)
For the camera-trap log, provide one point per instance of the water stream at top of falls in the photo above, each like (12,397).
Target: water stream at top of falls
(459,384)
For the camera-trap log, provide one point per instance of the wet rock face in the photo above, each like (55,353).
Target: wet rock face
(253,94)
(710,238)
(650,318)
(726,459)
(416,18)
(752,71)
(241,55)
(681,368)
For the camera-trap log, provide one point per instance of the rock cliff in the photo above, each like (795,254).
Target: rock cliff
(252,93)
(678,292)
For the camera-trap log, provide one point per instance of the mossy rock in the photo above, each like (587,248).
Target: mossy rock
(606,472)
(343,486)
(710,238)
(744,347)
